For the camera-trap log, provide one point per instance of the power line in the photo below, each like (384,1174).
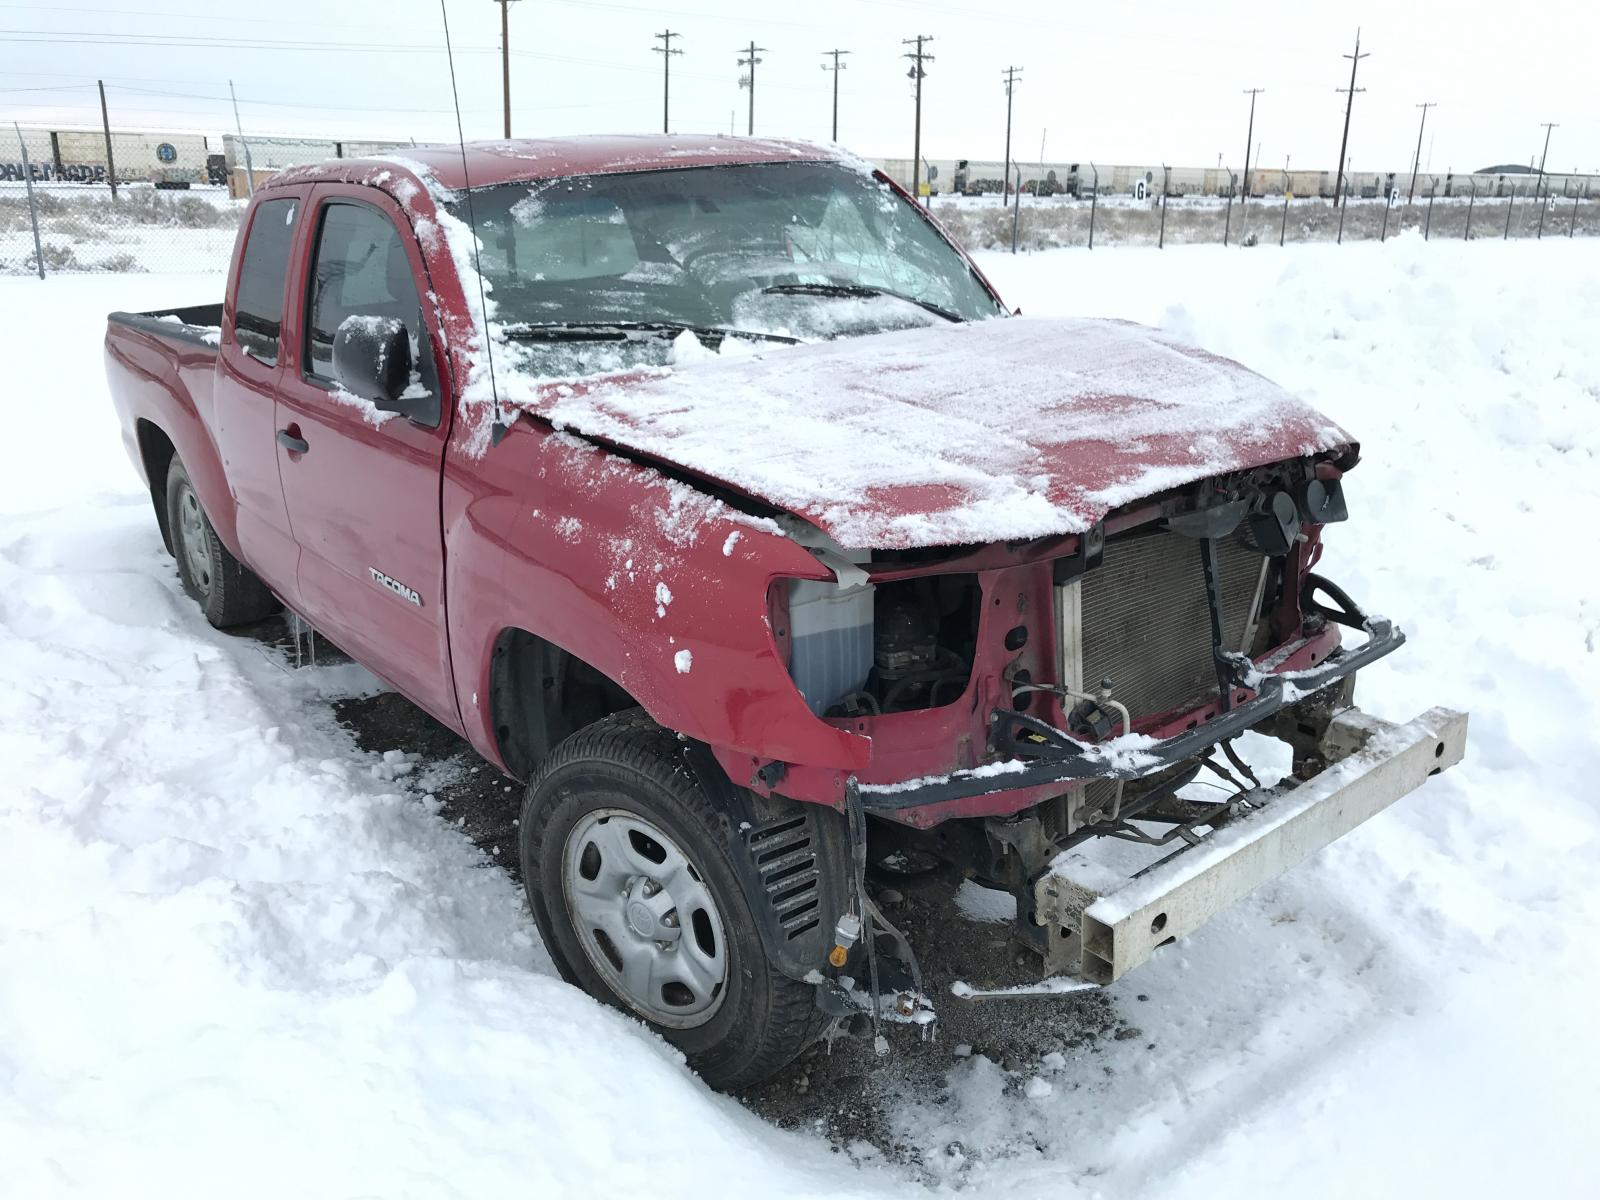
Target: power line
(1249,140)
(1350,99)
(666,51)
(916,74)
(836,68)
(680,13)
(1011,74)
(749,81)
(1542,187)
(285,103)
(1416,163)
(505,62)
(36,37)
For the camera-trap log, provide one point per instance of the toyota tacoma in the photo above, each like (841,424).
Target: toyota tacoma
(706,487)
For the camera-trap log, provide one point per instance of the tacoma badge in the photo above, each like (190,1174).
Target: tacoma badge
(395,586)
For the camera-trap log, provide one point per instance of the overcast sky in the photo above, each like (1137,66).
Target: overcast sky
(1154,81)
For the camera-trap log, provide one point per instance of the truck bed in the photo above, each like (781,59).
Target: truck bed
(200,324)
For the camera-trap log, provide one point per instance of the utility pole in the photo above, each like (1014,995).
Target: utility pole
(505,60)
(1249,138)
(836,68)
(666,51)
(105,124)
(915,74)
(1417,161)
(1548,126)
(249,167)
(749,81)
(1350,99)
(1011,74)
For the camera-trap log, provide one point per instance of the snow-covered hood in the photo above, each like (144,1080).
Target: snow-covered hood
(991,431)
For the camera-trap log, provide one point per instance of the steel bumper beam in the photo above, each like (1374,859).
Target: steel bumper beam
(1102,936)
(1065,760)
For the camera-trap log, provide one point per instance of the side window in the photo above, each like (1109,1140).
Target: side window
(259,305)
(360,269)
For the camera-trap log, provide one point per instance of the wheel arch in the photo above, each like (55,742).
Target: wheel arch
(539,694)
(156,453)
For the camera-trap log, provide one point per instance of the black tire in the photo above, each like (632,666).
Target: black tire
(627,762)
(226,590)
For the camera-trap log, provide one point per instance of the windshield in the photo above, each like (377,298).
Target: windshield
(806,251)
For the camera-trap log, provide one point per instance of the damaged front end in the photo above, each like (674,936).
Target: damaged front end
(1074,691)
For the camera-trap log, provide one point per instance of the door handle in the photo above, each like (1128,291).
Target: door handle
(289,441)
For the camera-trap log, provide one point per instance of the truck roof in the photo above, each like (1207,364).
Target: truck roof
(554,158)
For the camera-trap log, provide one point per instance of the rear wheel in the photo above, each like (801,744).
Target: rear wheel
(226,590)
(628,872)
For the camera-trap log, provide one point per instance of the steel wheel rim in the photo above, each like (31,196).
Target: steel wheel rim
(645,918)
(196,545)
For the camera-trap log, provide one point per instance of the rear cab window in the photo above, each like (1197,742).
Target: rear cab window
(263,269)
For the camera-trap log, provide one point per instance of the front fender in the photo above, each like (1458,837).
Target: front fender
(653,582)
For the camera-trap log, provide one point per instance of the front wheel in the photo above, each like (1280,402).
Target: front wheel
(628,872)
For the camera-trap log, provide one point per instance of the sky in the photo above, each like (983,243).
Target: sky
(1158,81)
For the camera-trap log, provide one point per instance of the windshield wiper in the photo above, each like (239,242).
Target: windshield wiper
(856,289)
(616,331)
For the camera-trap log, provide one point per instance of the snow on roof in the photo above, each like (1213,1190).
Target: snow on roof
(532,159)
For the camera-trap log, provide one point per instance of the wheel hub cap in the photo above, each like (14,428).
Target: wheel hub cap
(645,918)
(196,546)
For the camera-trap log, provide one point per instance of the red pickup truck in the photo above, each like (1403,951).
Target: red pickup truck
(708,488)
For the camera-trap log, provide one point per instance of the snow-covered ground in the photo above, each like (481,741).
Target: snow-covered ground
(239,955)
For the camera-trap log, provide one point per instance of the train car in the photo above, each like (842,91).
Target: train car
(79,156)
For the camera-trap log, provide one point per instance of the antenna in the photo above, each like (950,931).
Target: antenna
(498,429)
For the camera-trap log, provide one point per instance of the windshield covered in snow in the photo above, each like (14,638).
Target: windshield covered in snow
(805,251)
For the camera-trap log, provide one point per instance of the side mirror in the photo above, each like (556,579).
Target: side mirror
(372,359)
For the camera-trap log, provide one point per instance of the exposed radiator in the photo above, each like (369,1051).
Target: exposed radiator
(1140,619)
(1144,621)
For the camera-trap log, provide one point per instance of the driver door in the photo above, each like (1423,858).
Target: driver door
(362,487)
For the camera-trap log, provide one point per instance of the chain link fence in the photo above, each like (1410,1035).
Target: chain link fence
(71,204)
(61,212)
(155,202)
(1442,207)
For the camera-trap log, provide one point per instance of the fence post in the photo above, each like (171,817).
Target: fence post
(1427,224)
(1016,211)
(1094,199)
(1511,207)
(1227,215)
(33,208)
(1572,222)
(105,124)
(1161,240)
(1383,233)
(249,170)
(1283,225)
(1471,200)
